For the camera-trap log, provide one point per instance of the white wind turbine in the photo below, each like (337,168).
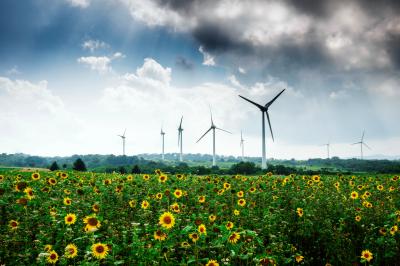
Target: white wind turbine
(264,109)
(123,142)
(162,138)
(361,144)
(180,143)
(328,145)
(213,127)
(242,145)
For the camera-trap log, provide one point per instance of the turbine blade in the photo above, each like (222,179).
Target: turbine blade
(270,128)
(224,130)
(366,145)
(273,100)
(204,134)
(124,132)
(355,143)
(250,101)
(180,125)
(362,137)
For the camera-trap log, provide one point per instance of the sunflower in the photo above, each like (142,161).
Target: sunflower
(185,244)
(52,257)
(167,220)
(382,231)
(159,196)
(71,251)
(132,203)
(316,178)
(394,229)
(358,218)
(107,182)
(300,212)
(379,187)
(175,208)
(64,175)
(13,224)
(227,186)
(202,229)
(100,250)
(221,192)
(337,185)
(236,212)
(67,201)
(52,181)
(179,176)
(92,224)
(96,207)
(48,248)
(178,193)
(67,192)
(202,199)
(240,194)
(29,193)
(299,258)
(20,186)
(367,255)
(354,195)
(233,238)
(145,204)
(162,178)
(310,182)
(212,263)
(212,218)
(160,235)
(194,237)
(1,177)
(35,176)
(242,202)
(146,177)
(229,225)
(158,171)
(129,178)
(252,189)
(70,218)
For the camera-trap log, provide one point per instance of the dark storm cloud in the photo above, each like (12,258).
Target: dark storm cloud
(184,63)
(393,48)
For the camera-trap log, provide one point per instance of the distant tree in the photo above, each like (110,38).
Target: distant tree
(135,169)
(79,165)
(121,170)
(64,166)
(244,168)
(54,166)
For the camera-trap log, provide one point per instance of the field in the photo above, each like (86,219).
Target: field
(78,218)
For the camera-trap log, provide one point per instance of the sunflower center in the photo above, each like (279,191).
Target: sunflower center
(100,249)
(14,224)
(167,219)
(92,221)
(53,256)
(69,219)
(71,251)
(366,255)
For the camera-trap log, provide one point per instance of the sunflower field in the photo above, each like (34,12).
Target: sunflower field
(83,218)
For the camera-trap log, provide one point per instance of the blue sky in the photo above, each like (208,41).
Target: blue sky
(74,73)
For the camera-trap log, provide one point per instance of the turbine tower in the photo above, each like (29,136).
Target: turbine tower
(213,127)
(264,109)
(361,144)
(123,142)
(242,145)
(327,147)
(180,144)
(162,137)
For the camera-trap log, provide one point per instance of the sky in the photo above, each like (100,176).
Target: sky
(75,73)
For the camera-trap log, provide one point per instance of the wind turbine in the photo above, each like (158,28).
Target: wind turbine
(213,127)
(180,144)
(361,144)
(123,142)
(327,147)
(162,137)
(242,145)
(264,109)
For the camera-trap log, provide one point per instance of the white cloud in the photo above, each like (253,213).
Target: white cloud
(79,3)
(242,70)
(208,60)
(93,45)
(337,95)
(100,64)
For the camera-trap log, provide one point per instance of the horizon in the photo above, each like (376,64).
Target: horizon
(75,73)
